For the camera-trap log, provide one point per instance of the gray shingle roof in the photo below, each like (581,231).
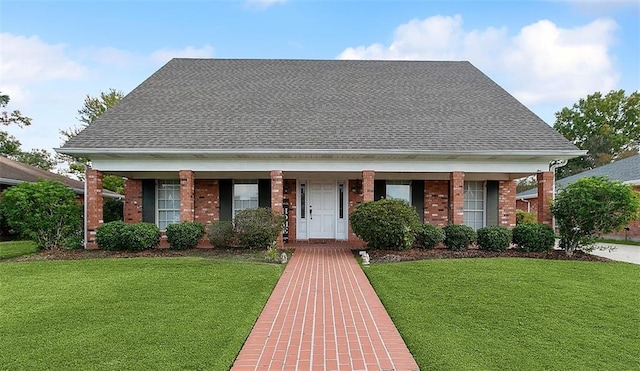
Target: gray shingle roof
(217,104)
(625,170)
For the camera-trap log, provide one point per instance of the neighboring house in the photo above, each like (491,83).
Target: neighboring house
(201,139)
(626,170)
(14,172)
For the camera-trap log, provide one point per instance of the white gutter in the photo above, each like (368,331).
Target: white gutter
(262,151)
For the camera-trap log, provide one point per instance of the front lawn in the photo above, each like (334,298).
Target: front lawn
(514,314)
(12,249)
(141,313)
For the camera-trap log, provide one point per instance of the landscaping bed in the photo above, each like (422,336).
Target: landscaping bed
(79,254)
(388,256)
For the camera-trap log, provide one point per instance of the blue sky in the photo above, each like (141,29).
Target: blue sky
(548,54)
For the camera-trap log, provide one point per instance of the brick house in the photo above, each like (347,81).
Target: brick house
(201,139)
(626,170)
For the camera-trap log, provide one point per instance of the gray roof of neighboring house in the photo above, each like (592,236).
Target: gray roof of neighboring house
(256,105)
(14,172)
(625,170)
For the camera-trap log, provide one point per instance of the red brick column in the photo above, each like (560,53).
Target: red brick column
(456,192)
(368,177)
(94,217)
(436,202)
(187,197)
(277,194)
(132,201)
(507,203)
(545,195)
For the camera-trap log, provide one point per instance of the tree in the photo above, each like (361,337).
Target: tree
(590,207)
(608,127)
(525,184)
(45,211)
(11,147)
(92,109)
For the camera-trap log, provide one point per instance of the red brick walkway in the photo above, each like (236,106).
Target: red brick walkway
(324,315)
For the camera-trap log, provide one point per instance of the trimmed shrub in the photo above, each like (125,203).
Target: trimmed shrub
(428,236)
(534,237)
(112,236)
(221,234)
(120,236)
(523,217)
(458,237)
(494,238)
(385,224)
(184,235)
(142,236)
(258,228)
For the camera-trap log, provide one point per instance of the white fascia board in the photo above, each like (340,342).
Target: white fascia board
(258,153)
(317,165)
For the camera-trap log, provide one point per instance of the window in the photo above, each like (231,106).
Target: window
(399,189)
(474,204)
(245,195)
(341,201)
(303,201)
(168,203)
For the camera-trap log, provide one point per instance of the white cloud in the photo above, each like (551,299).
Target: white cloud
(25,60)
(541,64)
(48,82)
(164,55)
(262,4)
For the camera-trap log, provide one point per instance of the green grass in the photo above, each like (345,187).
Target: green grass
(116,314)
(621,242)
(12,249)
(514,314)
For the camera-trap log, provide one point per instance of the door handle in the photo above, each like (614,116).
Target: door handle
(310,213)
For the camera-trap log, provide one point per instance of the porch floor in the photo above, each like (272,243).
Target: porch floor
(324,315)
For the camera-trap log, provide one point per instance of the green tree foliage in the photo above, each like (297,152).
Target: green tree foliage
(525,184)
(46,212)
(607,126)
(11,147)
(592,206)
(92,109)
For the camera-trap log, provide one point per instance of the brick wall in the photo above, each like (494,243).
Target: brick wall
(456,192)
(94,206)
(531,207)
(291,193)
(368,177)
(207,201)
(507,203)
(436,202)
(132,201)
(187,186)
(277,194)
(545,195)
(633,233)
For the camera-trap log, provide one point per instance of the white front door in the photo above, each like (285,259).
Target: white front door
(322,209)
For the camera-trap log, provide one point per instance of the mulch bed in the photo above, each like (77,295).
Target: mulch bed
(388,256)
(64,254)
(377,256)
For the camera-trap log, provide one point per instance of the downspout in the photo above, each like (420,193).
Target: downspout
(553,165)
